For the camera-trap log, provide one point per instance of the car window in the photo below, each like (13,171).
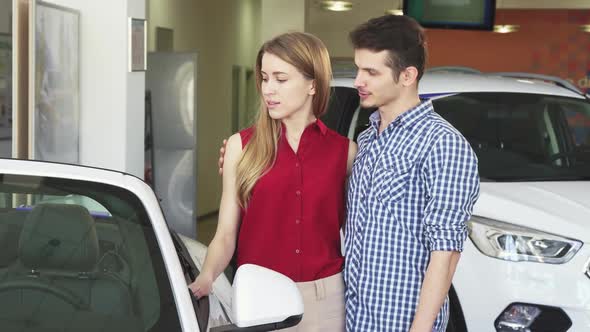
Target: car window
(91,205)
(578,120)
(79,255)
(522,136)
(341,107)
(516,136)
(345,115)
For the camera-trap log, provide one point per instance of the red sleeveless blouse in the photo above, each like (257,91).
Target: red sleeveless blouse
(293,219)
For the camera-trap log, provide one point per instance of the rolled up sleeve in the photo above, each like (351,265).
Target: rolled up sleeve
(452,182)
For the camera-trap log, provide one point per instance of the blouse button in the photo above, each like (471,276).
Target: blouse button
(297,251)
(297,221)
(296,164)
(298,193)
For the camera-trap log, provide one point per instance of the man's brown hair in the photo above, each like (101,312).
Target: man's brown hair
(401,36)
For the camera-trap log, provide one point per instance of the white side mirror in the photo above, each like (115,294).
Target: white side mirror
(264,299)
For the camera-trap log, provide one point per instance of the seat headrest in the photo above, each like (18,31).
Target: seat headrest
(9,235)
(59,236)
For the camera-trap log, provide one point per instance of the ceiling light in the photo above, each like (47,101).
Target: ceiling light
(336,6)
(585,27)
(398,12)
(506,28)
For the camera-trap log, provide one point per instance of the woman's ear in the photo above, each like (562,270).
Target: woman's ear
(312,88)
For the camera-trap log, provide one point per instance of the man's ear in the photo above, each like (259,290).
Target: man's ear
(408,76)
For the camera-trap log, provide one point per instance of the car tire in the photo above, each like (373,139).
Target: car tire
(456,320)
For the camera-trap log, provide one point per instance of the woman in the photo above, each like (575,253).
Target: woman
(284,183)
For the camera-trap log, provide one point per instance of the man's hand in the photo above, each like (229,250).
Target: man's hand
(435,288)
(221,155)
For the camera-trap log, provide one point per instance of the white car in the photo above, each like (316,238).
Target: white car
(525,266)
(86,249)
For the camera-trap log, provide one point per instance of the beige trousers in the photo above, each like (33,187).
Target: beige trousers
(323,301)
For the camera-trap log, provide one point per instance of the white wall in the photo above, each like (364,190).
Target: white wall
(135,131)
(280,16)
(333,27)
(112,99)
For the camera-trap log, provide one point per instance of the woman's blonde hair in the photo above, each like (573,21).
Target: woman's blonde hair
(309,55)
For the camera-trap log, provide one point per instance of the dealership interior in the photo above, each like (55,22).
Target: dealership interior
(220,40)
(152,88)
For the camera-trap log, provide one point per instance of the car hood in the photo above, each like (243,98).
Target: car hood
(561,208)
(221,287)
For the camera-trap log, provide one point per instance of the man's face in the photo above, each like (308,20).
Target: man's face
(374,80)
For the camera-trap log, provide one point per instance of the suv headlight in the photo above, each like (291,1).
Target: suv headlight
(516,243)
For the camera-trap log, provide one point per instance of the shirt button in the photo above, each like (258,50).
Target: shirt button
(296,164)
(297,251)
(297,221)
(298,193)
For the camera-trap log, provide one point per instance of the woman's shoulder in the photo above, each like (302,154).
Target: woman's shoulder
(234,145)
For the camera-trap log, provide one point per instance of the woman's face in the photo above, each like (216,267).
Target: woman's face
(286,92)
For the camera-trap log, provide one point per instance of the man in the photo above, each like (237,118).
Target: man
(413,186)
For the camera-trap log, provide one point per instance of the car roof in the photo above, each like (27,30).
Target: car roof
(438,83)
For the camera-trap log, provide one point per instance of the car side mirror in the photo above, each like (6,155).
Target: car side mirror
(263,300)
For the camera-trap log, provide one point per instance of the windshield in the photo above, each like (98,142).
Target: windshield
(79,256)
(523,137)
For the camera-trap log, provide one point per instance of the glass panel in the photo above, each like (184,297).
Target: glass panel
(523,137)
(341,107)
(79,256)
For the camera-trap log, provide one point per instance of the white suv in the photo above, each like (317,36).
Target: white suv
(525,267)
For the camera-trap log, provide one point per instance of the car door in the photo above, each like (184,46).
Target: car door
(86,249)
(219,303)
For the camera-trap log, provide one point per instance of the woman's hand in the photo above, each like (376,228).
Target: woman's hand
(201,286)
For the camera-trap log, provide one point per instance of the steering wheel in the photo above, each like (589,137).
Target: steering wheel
(36,284)
(562,155)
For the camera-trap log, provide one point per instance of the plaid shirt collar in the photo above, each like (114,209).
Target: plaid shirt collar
(406,120)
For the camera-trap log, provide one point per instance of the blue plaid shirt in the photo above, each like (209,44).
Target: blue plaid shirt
(411,191)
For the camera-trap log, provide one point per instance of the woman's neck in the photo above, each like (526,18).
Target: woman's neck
(296,125)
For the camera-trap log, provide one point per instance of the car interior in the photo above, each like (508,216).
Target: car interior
(102,269)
